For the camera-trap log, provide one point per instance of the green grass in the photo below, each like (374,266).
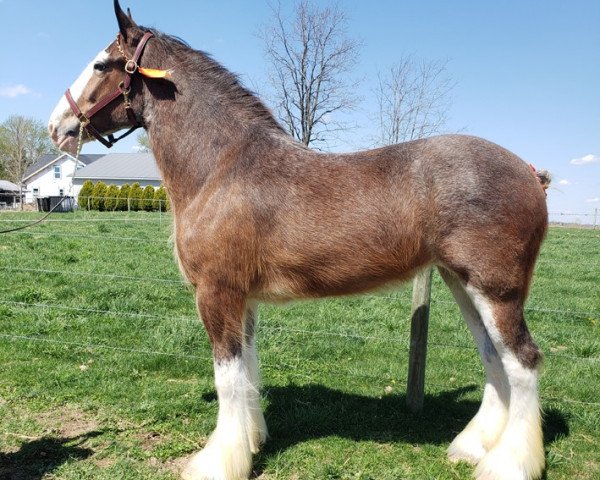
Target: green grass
(109,376)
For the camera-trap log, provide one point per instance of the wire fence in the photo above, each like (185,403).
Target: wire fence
(591,219)
(124,204)
(574,315)
(567,314)
(279,366)
(397,341)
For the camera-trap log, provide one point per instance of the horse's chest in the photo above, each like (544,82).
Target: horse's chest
(203,249)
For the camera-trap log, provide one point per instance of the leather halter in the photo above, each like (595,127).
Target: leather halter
(124,88)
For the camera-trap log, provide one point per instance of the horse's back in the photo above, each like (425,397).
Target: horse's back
(354,221)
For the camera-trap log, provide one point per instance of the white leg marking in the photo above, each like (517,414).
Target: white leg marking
(256,427)
(482,432)
(227,454)
(519,452)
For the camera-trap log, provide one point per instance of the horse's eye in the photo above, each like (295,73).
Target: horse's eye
(100,67)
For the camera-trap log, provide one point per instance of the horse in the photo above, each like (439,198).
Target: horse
(259,217)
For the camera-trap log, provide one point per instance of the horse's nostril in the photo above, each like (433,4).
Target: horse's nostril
(53,132)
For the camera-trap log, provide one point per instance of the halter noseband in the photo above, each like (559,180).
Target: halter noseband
(131,67)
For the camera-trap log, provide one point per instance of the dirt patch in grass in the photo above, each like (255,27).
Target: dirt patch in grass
(149,440)
(173,466)
(65,436)
(105,462)
(67,422)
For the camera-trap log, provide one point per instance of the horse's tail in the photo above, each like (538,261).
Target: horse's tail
(543,176)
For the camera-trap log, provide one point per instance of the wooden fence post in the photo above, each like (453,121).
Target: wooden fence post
(421,296)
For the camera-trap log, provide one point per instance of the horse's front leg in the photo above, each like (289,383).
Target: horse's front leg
(228,452)
(257,428)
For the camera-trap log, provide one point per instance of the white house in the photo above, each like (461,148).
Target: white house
(52,175)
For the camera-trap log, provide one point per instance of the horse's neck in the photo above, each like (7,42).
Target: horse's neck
(190,137)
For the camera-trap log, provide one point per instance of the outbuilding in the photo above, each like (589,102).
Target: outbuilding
(10,195)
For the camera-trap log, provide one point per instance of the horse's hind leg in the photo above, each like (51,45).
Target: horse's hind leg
(228,452)
(485,428)
(519,452)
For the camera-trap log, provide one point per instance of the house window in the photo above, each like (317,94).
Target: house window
(57,171)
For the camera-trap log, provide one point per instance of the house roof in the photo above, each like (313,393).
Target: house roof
(49,158)
(121,166)
(6,186)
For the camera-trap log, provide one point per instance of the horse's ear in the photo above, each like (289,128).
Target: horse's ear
(126,23)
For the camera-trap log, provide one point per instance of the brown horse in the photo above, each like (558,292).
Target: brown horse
(260,217)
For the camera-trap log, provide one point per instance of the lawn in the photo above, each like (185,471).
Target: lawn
(107,374)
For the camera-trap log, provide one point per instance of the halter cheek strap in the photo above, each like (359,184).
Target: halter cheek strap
(124,88)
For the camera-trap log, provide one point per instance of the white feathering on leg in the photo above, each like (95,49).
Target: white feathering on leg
(256,425)
(482,432)
(227,454)
(519,452)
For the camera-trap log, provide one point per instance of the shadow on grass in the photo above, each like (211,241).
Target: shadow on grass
(299,413)
(42,456)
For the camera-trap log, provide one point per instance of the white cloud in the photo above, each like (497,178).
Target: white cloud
(586,159)
(593,200)
(13,91)
(564,181)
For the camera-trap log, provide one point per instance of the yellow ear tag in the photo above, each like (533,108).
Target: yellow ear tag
(153,73)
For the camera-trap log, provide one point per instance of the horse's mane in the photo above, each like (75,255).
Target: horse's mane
(228,83)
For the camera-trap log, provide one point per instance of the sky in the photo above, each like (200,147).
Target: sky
(527,72)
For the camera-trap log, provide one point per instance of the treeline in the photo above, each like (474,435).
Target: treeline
(110,198)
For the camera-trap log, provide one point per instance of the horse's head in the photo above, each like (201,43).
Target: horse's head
(107,95)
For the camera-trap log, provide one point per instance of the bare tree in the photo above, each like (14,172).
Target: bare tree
(3,147)
(413,98)
(143,142)
(22,141)
(311,59)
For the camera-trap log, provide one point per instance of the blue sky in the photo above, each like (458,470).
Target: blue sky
(527,72)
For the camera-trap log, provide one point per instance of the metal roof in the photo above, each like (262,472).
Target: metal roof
(6,186)
(117,166)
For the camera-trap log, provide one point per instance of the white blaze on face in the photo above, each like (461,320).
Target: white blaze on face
(63,107)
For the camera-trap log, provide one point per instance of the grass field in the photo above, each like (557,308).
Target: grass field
(106,372)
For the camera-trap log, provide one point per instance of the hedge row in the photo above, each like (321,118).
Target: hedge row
(125,198)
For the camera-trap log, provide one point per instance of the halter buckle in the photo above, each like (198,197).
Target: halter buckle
(83,120)
(131,66)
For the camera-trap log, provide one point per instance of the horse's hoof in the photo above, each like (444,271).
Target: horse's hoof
(503,464)
(219,462)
